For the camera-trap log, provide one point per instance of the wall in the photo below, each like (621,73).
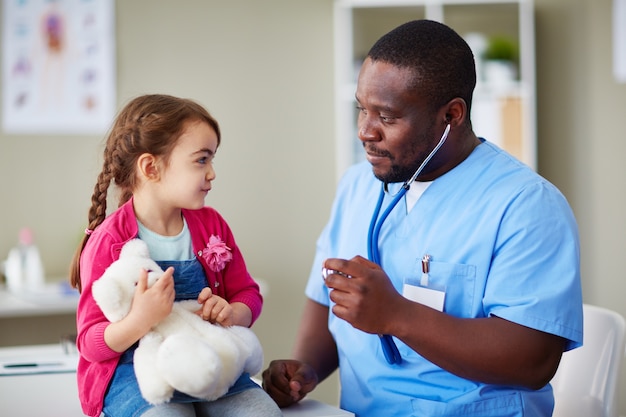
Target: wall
(265,71)
(581,142)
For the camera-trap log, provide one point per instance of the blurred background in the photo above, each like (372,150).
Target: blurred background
(265,70)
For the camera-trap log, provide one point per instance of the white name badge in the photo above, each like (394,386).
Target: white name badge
(423,295)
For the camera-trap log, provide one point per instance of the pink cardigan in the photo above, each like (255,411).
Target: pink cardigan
(97,361)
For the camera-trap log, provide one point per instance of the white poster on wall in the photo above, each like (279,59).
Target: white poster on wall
(58,66)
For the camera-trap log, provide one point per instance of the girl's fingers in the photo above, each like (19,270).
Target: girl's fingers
(142,282)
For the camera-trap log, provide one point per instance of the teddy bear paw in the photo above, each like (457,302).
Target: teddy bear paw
(156,393)
(196,373)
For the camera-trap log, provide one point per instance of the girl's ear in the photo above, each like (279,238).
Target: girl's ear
(147,167)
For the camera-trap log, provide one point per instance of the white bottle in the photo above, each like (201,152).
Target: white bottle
(24,269)
(13,271)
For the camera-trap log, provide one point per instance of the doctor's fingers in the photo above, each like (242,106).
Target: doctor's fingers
(356,318)
(363,282)
(356,266)
(288,381)
(369,318)
(363,302)
(351,302)
(365,262)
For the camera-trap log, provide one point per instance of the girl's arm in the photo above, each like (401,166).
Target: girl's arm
(149,307)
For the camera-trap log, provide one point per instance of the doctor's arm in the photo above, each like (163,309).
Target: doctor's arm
(314,359)
(491,350)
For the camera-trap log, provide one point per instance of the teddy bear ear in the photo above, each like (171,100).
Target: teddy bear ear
(135,248)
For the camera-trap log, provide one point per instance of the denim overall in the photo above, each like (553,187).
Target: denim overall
(123,398)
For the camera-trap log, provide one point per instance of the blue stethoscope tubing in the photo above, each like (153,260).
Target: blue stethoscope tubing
(390,350)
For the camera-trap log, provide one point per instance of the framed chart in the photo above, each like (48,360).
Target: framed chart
(58,66)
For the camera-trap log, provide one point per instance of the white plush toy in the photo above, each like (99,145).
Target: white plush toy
(183,352)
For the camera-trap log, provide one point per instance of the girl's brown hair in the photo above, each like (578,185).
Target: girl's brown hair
(147,124)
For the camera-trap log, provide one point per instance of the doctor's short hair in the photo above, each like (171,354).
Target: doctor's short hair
(442,61)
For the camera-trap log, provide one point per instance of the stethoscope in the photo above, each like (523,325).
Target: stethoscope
(390,349)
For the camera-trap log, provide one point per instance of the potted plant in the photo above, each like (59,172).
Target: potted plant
(501,57)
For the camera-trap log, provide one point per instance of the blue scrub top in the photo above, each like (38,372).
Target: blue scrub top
(503,241)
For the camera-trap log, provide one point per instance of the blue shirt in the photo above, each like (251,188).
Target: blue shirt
(503,241)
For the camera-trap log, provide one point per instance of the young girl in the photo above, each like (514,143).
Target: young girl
(159,154)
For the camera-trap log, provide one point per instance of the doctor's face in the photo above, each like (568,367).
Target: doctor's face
(394,124)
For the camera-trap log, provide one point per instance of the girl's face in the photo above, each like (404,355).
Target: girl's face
(187,178)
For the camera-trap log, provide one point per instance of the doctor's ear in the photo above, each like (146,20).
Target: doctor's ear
(456,110)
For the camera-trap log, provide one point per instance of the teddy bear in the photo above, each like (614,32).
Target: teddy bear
(183,352)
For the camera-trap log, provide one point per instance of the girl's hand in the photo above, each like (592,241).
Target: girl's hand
(215,309)
(151,305)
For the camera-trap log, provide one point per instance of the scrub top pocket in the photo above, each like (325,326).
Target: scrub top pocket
(459,283)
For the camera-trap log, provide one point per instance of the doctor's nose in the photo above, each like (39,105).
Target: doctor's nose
(366,130)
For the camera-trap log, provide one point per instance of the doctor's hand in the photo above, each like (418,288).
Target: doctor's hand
(363,294)
(288,381)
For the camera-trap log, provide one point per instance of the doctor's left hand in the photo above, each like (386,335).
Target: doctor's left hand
(365,298)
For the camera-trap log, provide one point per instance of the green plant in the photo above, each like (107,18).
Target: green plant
(502,48)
